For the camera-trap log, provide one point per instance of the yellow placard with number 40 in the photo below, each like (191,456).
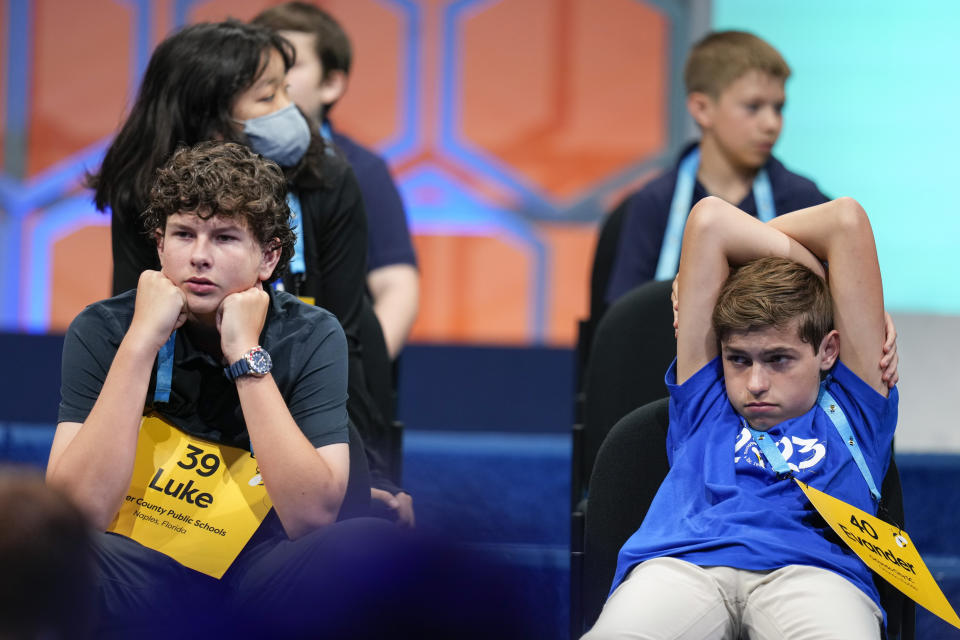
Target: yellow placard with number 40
(886,549)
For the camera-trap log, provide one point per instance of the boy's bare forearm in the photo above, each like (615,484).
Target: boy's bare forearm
(839,233)
(826,228)
(93,462)
(717,236)
(305,487)
(396,294)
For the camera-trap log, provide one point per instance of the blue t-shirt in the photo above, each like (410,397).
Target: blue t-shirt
(647,211)
(722,505)
(388,238)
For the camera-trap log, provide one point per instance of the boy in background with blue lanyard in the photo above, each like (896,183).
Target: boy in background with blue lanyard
(317,81)
(735,93)
(776,377)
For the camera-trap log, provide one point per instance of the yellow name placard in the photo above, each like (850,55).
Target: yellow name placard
(196,501)
(885,549)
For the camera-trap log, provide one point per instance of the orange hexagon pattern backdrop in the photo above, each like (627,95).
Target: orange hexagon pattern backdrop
(510,127)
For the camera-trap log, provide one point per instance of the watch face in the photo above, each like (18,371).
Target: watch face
(260,362)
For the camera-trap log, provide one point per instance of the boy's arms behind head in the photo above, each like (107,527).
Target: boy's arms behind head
(839,233)
(717,236)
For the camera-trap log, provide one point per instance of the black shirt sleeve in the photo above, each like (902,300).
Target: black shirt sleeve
(335,248)
(317,397)
(88,350)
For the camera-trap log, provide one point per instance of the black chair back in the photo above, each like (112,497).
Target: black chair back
(632,349)
(603,257)
(629,468)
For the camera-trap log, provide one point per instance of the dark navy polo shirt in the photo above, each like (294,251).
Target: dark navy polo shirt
(309,355)
(645,219)
(388,238)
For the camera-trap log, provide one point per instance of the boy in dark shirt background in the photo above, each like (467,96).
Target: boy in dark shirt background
(735,93)
(317,81)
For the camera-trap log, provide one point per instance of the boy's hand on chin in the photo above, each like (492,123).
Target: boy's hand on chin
(160,308)
(240,320)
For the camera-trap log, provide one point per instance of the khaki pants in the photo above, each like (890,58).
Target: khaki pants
(666,598)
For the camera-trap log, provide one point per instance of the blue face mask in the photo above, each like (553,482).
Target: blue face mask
(283,136)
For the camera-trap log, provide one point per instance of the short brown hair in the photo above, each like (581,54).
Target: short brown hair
(772,292)
(224,179)
(721,57)
(330,40)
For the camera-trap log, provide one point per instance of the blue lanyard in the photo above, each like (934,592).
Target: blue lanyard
(680,208)
(836,415)
(165,369)
(833,410)
(326,132)
(297,263)
(770,450)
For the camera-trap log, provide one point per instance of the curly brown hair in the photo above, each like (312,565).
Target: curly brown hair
(229,180)
(772,292)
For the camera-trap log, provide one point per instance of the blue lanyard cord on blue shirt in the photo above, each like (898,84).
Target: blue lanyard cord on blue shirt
(298,265)
(680,208)
(830,406)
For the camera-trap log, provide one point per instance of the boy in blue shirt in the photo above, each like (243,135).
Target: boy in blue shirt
(729,547)
(735,85)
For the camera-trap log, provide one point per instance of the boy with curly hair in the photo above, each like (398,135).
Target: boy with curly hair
(203,344)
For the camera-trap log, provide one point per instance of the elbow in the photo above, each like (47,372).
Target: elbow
(97,507)
(706,218)
(851,218)
(851,230)
(327,510)
(315,520)
(97,514)
(319,514)
(706,213)
(100,522)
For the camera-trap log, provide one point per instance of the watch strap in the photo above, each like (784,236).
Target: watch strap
(237,369)
(256,362)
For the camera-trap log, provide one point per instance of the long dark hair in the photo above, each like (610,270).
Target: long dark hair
(186,97)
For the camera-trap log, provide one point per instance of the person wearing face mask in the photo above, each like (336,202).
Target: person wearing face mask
(318,82)
(226,81)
